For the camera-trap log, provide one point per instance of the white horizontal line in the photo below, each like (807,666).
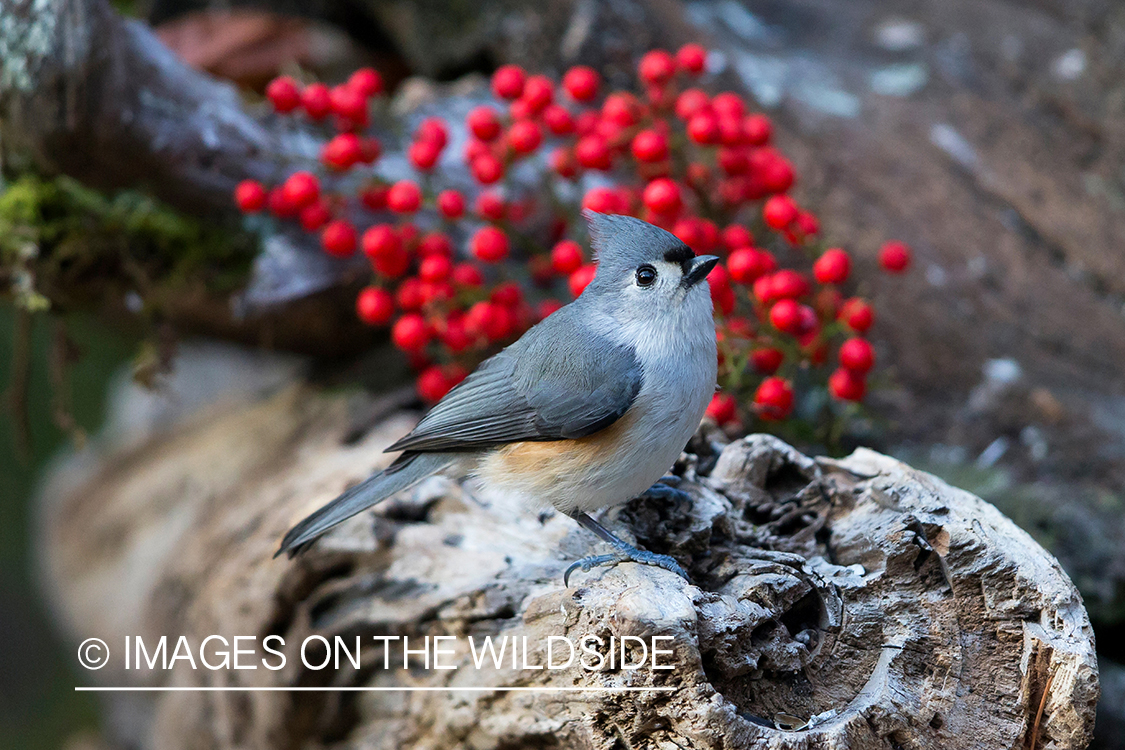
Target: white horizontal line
(239,689)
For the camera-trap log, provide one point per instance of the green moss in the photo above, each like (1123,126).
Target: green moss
(72,244)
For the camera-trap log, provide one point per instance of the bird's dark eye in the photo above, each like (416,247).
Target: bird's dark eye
(646,276)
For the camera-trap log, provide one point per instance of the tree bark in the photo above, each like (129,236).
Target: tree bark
(847,604)
(87,93)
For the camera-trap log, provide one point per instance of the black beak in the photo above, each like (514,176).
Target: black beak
(696,269)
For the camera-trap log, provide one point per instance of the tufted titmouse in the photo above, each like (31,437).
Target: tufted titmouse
(587,409)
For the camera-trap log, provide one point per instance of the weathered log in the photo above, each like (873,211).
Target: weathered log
(840,604)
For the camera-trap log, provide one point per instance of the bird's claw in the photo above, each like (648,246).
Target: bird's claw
(589,563)
(632,554)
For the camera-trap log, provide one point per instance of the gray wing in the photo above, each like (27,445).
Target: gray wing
(559,381)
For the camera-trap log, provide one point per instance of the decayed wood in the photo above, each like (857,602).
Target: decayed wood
(837,604)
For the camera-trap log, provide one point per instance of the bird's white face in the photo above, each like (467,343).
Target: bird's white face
(663,284)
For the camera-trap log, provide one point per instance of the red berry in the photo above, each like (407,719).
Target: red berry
(433,130)
(558,120)
(392,265)
(487,169)
(374,197)
(703,128)
(729,105)
(380,239)
(366,81)
(779,212)
(690,231)
(436,243)
(374,306)
(691,103)
(489,245)
(563,162)
(775,171)
(507,294)
(663,196)
(847,385)
(432,385)
(338,238)
(423,155)
(857,315)
(435,268)
(408,296)
(807,224)
(410,333)
(766,361)
(581,278)
(342,152)
(774,399)
(524,136)
(733,162)
(300,189)
(723,409)
(698,175)
(894,257)
(601,200)
(650,146)
(789,284)
(566,257)
(467,275)
(369,150)
(547,307)
(757,129)
(746,265)
(279,204)
(284,94)
(832,267)
(405,197)
(348,103)
(520,109)
(316,100)
(314,216)
(622,109)
(582,83)
(656,67)
(592,152)
(508,81)
(786,316)
(491,206)
(691,58)
(735,236)
(538,92)
(722,297)
(451,204)
(484,123)
(857,355)
(250,196)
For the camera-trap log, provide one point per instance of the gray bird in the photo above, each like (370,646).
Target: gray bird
(587,410)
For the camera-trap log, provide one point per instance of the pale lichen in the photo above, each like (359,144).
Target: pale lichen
(27,37)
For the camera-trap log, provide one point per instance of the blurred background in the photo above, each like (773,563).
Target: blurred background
(988,134)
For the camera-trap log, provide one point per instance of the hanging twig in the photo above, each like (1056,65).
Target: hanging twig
(64,353)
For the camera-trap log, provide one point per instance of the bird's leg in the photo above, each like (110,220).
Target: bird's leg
(623,551)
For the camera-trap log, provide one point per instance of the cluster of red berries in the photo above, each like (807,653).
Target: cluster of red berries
(703,167)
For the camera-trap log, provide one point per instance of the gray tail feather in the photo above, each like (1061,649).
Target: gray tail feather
(407,470)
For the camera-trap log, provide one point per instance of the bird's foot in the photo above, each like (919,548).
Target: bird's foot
(626,553)
(623,552)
